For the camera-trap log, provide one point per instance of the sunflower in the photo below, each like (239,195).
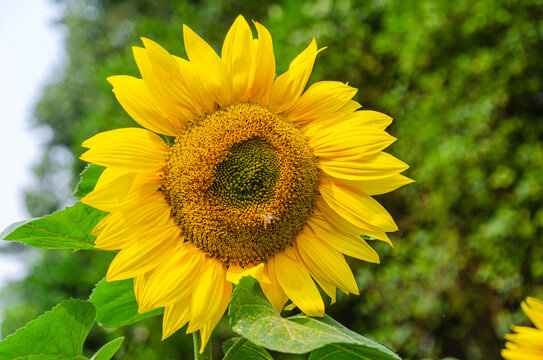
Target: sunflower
(250,176)
(527,343)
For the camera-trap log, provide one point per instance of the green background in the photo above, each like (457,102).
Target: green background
(463,81)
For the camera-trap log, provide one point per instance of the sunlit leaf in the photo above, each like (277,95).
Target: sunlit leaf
(64,229)
(57,334)
(252,316)
(116,304)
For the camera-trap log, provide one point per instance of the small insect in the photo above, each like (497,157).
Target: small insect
(268,218)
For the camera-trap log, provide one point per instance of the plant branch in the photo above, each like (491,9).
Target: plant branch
(206,354)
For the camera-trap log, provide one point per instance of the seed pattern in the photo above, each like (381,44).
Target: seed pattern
(248,175)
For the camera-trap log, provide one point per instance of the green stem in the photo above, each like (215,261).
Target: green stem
(197,340)
(230,353)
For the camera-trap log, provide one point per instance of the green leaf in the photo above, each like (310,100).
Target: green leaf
(248,351)
(11,228)
(64,229)
(252,316)
(343,352)
(57,334)
(116,303)
(363,348)
(107,351)
(89,177)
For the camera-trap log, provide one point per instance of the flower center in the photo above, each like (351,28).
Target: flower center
(248,174)
(241,183)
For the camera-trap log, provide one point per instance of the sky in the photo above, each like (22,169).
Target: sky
(32,48)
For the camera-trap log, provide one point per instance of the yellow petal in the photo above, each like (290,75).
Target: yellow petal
(210,67)
(296,282)
(130,149)
(137,217)
(351,106)
(354,143)
(328,288)
(381,186)
(174,279)
(263,67)
(151,248)
(98,228)
(349,116)
(349,244)
(152,210)
(175,317)
(370,118)
(320,99)
(533,308)
(288,87)
(376,167)
(117,188)
(137,101)
(207,329)
(236,54)
(273,290)
(290,307)
(174,79)
(325,262)
(520,354)
(139,283)
(108,242)
(153,73)
(197,88)
(526,337)
(313,128)
(356,207)
(235,273)
(325,212)
(206,297)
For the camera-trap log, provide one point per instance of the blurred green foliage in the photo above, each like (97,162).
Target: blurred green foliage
(463,80)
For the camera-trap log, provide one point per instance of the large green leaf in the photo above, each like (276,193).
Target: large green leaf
(57,334)
(107,351)
(116,303)
(89,177)
(64,229)
(252,316)
(248,351)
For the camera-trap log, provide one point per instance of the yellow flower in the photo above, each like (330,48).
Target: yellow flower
(527,343)
(263,179)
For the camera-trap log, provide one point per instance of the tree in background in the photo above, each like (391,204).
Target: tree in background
(463,81)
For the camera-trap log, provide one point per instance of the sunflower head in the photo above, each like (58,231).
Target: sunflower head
(265,178)
(246,173)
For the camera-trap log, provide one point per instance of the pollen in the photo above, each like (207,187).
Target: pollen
(241,183)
